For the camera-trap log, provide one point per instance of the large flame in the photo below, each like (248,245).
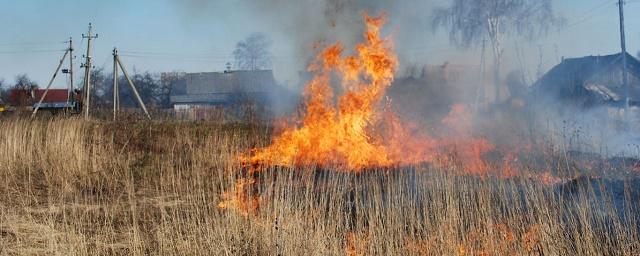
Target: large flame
(356,130)
(339,133)
(351,131)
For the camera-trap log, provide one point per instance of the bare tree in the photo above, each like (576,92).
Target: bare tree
(149,86)
(21,91)
(469,22)
(101,90)
(170,83)
(252,53)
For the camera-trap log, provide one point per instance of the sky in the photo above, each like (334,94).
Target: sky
(200,35)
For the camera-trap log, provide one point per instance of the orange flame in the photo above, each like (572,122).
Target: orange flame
(356,244)
(240,199)
(337,135)
(352,131)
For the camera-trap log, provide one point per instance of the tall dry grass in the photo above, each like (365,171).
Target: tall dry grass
(71,187)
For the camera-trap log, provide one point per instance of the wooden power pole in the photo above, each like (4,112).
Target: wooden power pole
(116,94)
(37,107)
(70,92)
(69,52)
(87,72)
(625,82)
(116,98)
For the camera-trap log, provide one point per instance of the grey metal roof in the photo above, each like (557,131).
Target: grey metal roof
(220,87)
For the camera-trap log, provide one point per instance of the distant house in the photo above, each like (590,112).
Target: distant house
(591,81)
(55,99)
(197,94)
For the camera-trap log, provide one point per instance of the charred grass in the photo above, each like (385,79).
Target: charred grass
(72,187)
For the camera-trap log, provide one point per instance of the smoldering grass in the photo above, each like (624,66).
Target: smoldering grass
(68,186)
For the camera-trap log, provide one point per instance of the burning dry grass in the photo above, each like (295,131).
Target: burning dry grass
(86,188)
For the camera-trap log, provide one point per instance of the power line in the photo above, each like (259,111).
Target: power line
(29,51)
(196,56)
(175,57)
(589,14)
(173,53)
(31,43)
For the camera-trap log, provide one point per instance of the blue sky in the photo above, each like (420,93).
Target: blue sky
(199,35)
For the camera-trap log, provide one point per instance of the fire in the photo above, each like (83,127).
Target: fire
(240,199)
(338,135)
(468,149)
(356,129)
(356,244)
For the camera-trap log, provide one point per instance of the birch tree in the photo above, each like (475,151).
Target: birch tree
(469,22)
(253,52)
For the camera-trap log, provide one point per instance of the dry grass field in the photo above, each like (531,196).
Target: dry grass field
(71,187)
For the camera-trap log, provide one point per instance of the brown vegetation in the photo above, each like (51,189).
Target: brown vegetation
(86,188)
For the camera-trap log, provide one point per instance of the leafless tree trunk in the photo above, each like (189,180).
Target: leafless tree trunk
(469,22)
(253,52)
(495,37)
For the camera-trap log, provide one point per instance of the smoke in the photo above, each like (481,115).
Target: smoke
(425,87)
(308,22)
(297,26)
(602,129)
(300,28)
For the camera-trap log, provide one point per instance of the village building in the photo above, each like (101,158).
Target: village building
(590,81)
(56,99)
(205,95)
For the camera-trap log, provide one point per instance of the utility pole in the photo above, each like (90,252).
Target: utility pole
(116,94)
(70,92)
(87,72)
(116,59)
(625,82)
(44,95)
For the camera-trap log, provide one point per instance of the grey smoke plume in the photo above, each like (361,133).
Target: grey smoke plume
(296,26)
(309,21)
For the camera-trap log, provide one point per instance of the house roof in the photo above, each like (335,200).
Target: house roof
(53,96)
(592,80)
(217,87)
